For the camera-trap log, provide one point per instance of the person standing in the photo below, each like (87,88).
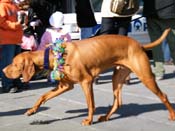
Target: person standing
(55,31)
(113,23)
(85,18)
(39,13)
(160,15)
(10,38)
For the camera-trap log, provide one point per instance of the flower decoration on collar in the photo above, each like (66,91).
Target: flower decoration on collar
(58,49)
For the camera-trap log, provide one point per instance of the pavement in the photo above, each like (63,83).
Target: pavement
(141,109)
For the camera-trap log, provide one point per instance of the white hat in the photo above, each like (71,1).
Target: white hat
(56,19)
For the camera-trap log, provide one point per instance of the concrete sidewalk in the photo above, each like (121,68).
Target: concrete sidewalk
(141,110)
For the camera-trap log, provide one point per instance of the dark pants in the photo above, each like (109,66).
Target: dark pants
(115,25)
(156,27)
(8,53)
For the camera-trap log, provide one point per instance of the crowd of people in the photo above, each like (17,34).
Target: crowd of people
(34,29)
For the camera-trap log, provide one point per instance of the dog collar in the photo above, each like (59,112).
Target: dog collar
(58,49)
(46,58)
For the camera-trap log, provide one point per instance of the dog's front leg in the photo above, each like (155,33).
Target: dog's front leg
(51,94)
(88,91)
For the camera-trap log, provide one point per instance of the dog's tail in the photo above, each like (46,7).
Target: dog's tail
(158,41)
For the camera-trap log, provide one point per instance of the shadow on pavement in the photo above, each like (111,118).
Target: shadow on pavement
(133,80)
(20,111)
(127,110)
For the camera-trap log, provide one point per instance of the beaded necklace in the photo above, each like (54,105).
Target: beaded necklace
(58,49)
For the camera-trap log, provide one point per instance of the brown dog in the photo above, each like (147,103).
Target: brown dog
(85,59)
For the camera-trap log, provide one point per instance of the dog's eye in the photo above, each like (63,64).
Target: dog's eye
(20,70)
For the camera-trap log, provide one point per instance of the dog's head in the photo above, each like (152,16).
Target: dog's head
(23,65)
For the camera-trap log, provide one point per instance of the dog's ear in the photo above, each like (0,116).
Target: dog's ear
(28,70)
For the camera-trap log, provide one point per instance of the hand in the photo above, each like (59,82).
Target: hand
(22,18)
(35,23)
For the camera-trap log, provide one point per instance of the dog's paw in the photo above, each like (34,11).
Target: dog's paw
(86,122)
(30,112)
(172,116)
(102,118)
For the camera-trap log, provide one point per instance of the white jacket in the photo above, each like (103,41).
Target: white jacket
(106,12)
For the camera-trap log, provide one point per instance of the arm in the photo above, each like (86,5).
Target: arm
(8,21)
(45,40)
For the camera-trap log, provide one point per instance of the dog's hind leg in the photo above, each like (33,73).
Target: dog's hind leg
(143,70)
(151,84)
(119,77)
(51,94)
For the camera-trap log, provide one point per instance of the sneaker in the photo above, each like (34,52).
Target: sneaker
(13,90)
(161,77)
(170,62)
(22,86)
(159,71)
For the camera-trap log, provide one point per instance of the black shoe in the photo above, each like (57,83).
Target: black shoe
(25,86)
(5,90)
(22,86)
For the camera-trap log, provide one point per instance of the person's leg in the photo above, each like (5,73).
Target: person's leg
(107,26)
(166,51)
(86,32)
(155,31)
(0,61)
(171,37)
(8,52)
(17,82)
(122,25)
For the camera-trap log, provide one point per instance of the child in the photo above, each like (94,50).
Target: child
(56,31)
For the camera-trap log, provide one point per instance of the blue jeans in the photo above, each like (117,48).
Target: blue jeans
(166,51)
(86,32)
(8,53)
